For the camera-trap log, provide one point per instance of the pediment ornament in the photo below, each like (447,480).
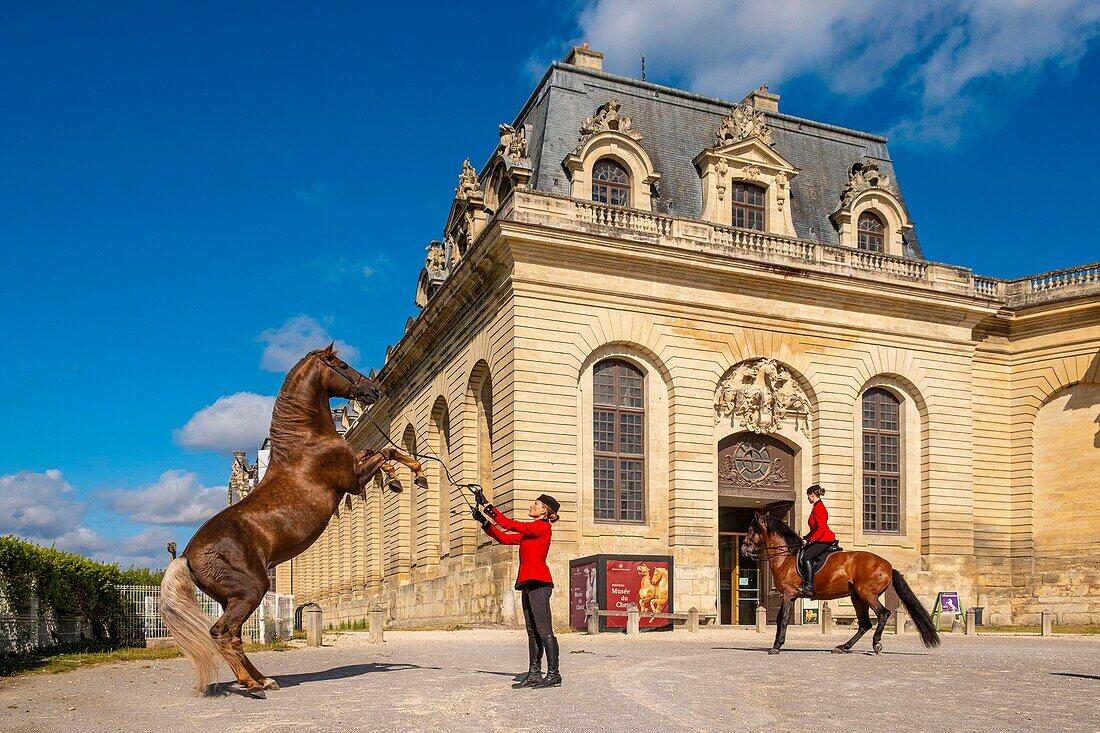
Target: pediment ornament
(468,185)
(743,122)
(864,176)
(607,118)
(513,143)
(436,260)
(759,394)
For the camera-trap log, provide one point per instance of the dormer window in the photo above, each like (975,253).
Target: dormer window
(871,232)
(610,183)
(748,206)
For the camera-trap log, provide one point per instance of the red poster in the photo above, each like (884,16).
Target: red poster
(582,589)
(643,583)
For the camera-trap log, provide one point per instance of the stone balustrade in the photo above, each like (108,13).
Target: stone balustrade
(754,246)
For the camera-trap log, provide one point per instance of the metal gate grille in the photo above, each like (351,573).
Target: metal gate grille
(272,620)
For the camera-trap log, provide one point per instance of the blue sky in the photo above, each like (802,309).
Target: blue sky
(191,194)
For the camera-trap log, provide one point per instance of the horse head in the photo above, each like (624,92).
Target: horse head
(342,380)
(756,538)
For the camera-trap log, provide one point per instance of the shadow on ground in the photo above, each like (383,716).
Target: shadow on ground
(339,673)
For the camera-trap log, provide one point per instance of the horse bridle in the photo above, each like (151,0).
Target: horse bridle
(769,553)
(343,372)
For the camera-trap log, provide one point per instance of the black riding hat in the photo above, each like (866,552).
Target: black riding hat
(550,502)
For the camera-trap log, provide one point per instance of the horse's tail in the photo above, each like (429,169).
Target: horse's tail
(190,627)
(927,629)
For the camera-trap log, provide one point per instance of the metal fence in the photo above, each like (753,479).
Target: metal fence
(22,632)
(274,619)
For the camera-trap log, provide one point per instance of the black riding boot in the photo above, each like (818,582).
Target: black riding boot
(553,677)
(806,569)
(534,671)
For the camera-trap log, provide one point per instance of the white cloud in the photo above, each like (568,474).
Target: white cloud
(43,508)
(38,505)
(287,344)
(237,422)
(939,52)
(177,497)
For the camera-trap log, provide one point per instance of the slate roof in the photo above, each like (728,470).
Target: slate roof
(676,126)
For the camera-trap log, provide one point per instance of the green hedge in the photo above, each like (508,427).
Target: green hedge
(68,585)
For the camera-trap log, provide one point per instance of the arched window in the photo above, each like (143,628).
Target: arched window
(748,206)
(871,237)
(618,423)
(881,461)
(610,183)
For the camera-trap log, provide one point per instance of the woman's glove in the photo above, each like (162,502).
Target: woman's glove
(479,496)
(479,517)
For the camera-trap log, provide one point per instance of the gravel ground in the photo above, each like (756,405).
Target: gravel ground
(459,681)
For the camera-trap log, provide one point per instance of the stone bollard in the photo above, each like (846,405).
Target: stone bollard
(632,619)
(971,622)
(761,619)
(593,618)
(314,627)
(693,620)
(1048,623)
(899,620)
(375,625)
(826,618)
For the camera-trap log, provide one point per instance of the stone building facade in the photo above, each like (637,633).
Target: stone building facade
(669,311)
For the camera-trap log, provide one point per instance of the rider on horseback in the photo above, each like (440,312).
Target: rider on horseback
(819,539)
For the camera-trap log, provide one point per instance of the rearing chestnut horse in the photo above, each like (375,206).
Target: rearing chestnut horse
(861,575)
(311,469)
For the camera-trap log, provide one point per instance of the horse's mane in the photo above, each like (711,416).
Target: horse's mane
(777,526)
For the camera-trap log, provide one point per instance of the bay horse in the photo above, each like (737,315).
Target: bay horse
(311,469)
(862,576)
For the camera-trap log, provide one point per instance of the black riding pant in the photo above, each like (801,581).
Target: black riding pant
(540,628)
(813,550)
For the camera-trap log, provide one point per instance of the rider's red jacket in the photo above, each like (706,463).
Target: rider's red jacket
(533,539)
(819,525)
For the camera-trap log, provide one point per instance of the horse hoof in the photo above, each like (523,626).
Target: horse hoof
(257,692)
(878,648)
(270,684)
(395,486)
(841,650)
(421,481)
(773,650)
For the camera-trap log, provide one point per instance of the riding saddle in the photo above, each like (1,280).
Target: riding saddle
(819,561)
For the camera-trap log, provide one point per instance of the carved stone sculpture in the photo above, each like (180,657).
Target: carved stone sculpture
(436,261)
(744,122)
(468,184)
(759,395)
(864,176)
(607,117)
(513,143)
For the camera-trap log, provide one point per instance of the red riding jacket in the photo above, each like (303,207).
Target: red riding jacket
(533,539)
(819,525)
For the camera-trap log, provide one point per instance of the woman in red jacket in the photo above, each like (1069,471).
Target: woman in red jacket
(817,541)
(534,580)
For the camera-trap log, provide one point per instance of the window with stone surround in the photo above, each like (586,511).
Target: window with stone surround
(882,466)
(610,183)
(748,206)
(871,232)
(618,430)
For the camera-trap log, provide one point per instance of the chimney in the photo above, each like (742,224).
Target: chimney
(762,99)
(585,57)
